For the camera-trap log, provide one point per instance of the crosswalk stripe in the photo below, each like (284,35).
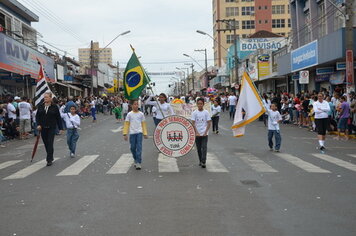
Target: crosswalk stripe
(213,164)
(338,162)
(352,155)
(167,164)
(78,166)
(117,130)
(255,163)
(29,170)
(122,165)
(308,167)
(8,163)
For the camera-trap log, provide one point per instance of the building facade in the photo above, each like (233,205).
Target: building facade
(250,16)
(100,55)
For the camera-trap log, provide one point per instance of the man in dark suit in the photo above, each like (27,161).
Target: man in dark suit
(47,118)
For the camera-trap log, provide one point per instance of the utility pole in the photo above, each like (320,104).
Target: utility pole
(349,41)
(91,68)
(206,63)
(118,77)
(232,26)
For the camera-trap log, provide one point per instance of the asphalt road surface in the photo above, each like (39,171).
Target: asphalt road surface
(245,190)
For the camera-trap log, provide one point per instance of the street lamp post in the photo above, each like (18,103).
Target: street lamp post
(92,57)
(192,66)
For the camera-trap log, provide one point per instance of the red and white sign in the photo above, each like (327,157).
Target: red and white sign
(174,136)
(349,67)
(304,77)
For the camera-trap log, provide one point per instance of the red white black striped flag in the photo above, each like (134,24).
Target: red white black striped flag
(41,87)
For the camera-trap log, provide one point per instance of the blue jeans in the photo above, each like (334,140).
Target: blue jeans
(93,113)
(72,138)
(278,138)
(136,147)
(232,111)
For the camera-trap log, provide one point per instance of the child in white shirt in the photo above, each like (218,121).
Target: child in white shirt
(201,121)
(72,121)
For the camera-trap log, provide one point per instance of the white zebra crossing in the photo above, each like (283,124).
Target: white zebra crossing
(117,130)
(8,163)
(352,155)
(78,166)
(308,167)
(167,164)
(336,161)
(29,170)
(214,165)
(122,165)
(255,163)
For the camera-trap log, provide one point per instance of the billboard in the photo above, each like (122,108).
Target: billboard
(21,59)
(264,65)
(305,56)
(270,44)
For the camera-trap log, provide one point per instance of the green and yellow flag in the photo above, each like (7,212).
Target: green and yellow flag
(135,78)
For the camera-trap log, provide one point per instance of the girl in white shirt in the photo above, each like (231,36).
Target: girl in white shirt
(164,109)
(216,110)
(72,120)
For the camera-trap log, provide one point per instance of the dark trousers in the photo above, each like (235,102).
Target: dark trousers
(48,139)
(215,123)
(202,147)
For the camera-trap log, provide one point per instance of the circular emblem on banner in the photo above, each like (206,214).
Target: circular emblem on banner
(174,136)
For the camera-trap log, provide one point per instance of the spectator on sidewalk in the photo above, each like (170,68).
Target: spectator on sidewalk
(25,110)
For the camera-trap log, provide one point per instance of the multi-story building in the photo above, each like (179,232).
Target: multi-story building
(250,16)
(100,55)
(318,45)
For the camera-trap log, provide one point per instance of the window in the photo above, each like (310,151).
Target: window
(321,13)
(278,23)
(266,21)
(245,36)
(230,25)
(230,0)
(266,7)
(259,22)
(247,11)
(289,23)
(232,11)
(278,9)
(247,0)
(248,24)
(229,39)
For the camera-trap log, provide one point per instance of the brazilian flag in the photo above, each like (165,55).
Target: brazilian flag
(135,78)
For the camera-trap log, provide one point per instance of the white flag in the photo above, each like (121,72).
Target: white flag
(249,106)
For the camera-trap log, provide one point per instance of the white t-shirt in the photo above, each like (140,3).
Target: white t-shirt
(232,100)
(71,120)
(92,103)
(201,119)
(135,119)
(11,111)
(321,110)
(215,110)
(165,107)
(125,107)
(154,112)
(25,110)
(273,118)
(223,99)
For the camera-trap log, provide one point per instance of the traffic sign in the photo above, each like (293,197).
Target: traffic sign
(304,77)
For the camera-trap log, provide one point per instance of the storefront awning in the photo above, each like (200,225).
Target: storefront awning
(61,84)
(75,87)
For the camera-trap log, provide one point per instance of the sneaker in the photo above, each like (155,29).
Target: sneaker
(217,132)
(322,148)
(138,166)
(276,150)
(3,146)
(200,163)
(72,155)
(203,165)
(49,163)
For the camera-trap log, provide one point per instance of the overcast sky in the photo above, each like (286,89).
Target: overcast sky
(161,30)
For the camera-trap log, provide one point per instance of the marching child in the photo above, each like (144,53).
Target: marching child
(135,125)
(311,118)
(216,110)
(72,121)
(274,117)
(118,112)
(125,108)
(201,121)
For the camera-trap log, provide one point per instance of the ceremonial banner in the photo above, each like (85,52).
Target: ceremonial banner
(41,87)
(186,110)
(249,107)
(135,78)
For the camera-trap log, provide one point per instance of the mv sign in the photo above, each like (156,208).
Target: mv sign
(305,56)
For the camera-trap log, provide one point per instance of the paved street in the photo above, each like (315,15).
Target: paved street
(245,190)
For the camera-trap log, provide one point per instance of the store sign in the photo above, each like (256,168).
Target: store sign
(349,67)
(304,77)
(253,44)
(264,65)
(325,70)
(322,78)
(21,59)
(295,77)
(174,136)
(337,78)
(342,65)
(305,56)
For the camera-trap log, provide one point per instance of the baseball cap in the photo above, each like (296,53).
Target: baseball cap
(17,98)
